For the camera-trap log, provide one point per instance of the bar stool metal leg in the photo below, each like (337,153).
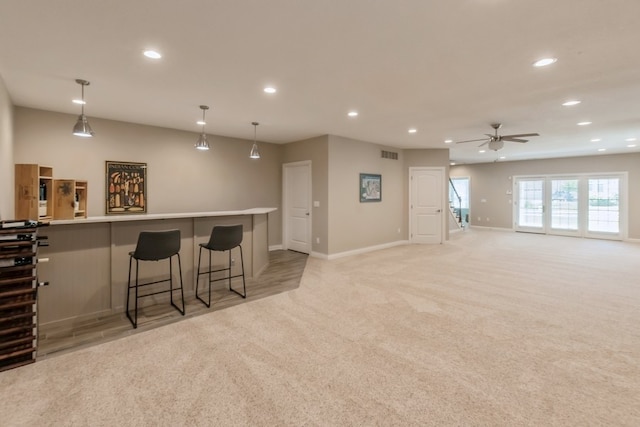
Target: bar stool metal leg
(244,286)
(208,304)
(181,287)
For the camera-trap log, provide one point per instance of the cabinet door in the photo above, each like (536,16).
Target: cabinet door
(27,190)
(64,198)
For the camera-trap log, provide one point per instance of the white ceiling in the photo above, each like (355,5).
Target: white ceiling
(447,68)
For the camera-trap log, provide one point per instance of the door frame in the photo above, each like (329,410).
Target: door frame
(583,179)
(285,203)
(444,184)
(515,203)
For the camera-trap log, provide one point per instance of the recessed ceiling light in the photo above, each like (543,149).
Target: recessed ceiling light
(544,62)
(602,149)
(448,141)
(412,130)
(353,114)
(631,145)
(153,54)
(630,139)
(79,101)
(502,157)
(596,140)
(583,123)
(201,122)
(270,89)
(452,163)
(570,103)
(482,151)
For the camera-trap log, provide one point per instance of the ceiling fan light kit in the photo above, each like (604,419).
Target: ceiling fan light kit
(496,142)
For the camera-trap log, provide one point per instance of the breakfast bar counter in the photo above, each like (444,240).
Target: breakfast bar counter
(89,258)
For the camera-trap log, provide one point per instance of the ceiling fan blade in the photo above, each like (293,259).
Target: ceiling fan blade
(514,139)
(485,143)
(519,135)
(471,140)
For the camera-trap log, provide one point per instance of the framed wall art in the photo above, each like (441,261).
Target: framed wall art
(126,188)
(370,187)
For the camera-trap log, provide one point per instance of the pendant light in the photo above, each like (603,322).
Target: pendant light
(201,143)
(255,154)
(82,127)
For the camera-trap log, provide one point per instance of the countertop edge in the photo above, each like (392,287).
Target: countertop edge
(149,217)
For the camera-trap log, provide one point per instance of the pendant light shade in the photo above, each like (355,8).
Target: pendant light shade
(82,127)
(201,143)
(255,154)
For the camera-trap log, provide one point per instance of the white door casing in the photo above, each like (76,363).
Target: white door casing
(296,193)
(426,202)
(564,204)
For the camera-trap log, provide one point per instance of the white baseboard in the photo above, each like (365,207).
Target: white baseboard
(491,228)
(632,240)
(319,255)
(275,248)
(367,249)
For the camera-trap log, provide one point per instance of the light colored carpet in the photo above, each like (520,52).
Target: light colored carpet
(491,328)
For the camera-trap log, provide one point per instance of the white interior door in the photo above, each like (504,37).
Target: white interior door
(426,205)
(297,206)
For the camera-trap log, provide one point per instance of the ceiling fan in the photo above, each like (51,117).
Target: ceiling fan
(496,142)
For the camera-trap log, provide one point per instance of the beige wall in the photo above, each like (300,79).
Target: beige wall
(354,225)
(317,151)
(6,154)
(341,222)
(491,181)
(181,178)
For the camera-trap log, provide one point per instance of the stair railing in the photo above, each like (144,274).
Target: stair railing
(457,211)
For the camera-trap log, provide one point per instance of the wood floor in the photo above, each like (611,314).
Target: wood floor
(282,274)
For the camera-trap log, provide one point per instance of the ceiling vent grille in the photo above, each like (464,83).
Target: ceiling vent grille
(389,155)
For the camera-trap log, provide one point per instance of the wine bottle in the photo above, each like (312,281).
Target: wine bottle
(11,262)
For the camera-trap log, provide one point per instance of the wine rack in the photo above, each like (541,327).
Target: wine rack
(18,292)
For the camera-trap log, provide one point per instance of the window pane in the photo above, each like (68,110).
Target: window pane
(531,204)
(462,187)
(604,205)
(564,204)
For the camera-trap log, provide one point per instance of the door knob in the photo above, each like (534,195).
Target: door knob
(307,214)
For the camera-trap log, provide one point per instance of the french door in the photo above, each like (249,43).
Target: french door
(579,205)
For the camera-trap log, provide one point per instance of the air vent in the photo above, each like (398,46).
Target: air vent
(389,155)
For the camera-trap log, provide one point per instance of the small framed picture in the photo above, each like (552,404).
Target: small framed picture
(126,191)
(370,187)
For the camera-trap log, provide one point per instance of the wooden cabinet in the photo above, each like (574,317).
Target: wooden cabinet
(70,198)
(40,197)
(18,290)
(34,192)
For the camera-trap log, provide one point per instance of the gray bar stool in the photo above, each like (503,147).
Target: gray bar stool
(223,238)
(155,246)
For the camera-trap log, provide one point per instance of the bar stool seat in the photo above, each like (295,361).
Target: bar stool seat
(223,238)
(155,246)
